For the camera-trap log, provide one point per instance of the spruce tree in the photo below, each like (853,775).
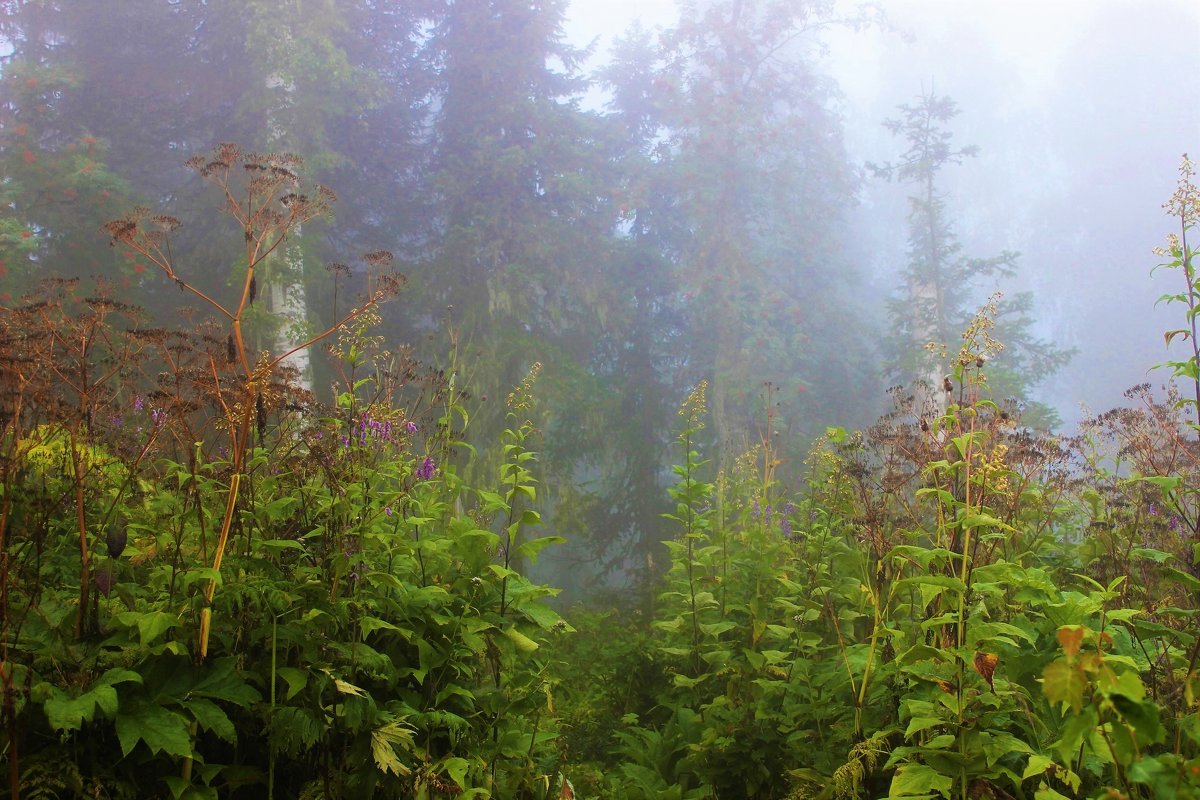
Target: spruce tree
(751,155)
(943,287)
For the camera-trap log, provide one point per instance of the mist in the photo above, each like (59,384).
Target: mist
(599,399)
(653,227)
(1079,133)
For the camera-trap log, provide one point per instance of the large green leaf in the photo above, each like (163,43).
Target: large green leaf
(997,745)
(1064,683)
(385,740)
(296,680)
(523,642)
(67,713)
(222,681)
(150,624)
(918,724)
(212,718)
(161,729)
(919,781)
(533,547)
(457,768)
(544,616)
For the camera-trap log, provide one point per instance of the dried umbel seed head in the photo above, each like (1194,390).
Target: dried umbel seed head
(378,258)
(389,285)
(228,151)
(122,230)
(166,222)
(116,539)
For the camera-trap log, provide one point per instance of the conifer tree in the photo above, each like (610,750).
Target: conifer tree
(943,286)
(140,85)
(57,178)
(752,158)
(520,227)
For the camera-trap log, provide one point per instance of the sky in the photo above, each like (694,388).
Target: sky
(1081,110)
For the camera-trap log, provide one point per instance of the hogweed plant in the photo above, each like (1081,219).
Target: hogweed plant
(372,621)
(264,196)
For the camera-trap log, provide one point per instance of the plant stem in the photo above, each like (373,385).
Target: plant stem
(81,523)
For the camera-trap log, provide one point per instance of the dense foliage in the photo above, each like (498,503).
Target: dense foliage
(213,581)
(712,191)
(218,578)
(959,608)
(213,585)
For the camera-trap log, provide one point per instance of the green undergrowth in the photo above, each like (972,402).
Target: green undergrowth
(948,606)
(212,585)
(370,634)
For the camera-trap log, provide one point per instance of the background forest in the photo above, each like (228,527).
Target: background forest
(289,472)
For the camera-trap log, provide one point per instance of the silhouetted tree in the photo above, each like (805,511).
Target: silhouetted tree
(751,156)
(943,287)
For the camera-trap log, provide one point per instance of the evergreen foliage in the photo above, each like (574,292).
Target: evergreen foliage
(942,286)
(604,245)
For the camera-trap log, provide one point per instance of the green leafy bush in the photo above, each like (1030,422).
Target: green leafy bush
(215,586)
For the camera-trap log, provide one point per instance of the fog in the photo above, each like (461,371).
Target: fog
(1081,113)
(638,209)
(590,399)
(1077,110)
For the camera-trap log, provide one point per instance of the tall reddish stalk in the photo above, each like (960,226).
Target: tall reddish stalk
(263,195)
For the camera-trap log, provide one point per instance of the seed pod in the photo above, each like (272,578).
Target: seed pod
(260,416)
(104,577)
(116,538)
(253,291)
(230,350)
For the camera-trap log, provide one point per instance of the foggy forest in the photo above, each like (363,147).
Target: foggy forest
(565,399)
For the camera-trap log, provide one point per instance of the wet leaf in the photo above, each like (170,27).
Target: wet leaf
(1065,683)
(1070,638)
(985,665)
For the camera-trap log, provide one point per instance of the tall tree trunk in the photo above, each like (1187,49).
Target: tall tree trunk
(287,298)
(925,295)
(289,301)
